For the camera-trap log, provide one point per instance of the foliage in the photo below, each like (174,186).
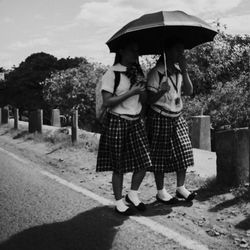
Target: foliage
(74,89)
(220,74)
(220,61)
(23,84)
(228,104)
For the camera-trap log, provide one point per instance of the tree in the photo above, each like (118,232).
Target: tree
(223,60)
(23,83)
(63,64)
(74,88)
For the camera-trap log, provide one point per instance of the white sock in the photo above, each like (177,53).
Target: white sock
(164,195)
(182,190)
(120,205)
(133,196)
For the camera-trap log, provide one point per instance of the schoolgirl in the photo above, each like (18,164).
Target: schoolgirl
(167,130)
(123,143)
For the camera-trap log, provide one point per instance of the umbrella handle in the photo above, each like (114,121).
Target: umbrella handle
(165,62)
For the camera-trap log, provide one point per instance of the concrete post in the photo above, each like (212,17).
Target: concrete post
(39,120)
(74,135)
(35,121)
(32,121)
(201,135)
(232,150)
(55,118)
(5,115)
(16,118)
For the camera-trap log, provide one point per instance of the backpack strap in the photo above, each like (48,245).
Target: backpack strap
(160,76)
(117,80)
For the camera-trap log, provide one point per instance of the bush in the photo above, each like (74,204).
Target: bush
(228,104)
(74,89)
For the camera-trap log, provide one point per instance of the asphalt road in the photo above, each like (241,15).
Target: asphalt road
(38,213)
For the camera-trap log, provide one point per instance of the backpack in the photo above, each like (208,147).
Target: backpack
(100,109)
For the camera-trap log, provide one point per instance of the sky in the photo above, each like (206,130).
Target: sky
(80,28)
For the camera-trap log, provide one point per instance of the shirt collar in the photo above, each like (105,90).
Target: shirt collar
(119,67)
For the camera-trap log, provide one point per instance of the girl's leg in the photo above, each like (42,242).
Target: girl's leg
(117,183)
(181,176)
(136,181)
(181,190)
(159,180)
(162,193)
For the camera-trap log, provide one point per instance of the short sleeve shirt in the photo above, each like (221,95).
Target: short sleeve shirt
(168,101)
(130,106)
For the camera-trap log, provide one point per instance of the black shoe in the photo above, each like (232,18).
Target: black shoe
(169,202)
(140,207)
(127,212)
(189,198)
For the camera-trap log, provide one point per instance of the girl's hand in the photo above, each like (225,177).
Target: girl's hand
(165,86)
(182,63)
(137,89)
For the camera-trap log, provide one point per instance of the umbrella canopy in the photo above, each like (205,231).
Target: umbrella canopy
(152,32)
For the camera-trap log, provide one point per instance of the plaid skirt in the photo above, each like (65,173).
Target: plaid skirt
(123,146)
(170,145)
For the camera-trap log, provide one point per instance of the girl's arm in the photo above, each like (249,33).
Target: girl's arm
(187,86)
(109,100)
(155,96)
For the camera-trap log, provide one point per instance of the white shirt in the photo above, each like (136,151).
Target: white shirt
(168,100)
(130,106)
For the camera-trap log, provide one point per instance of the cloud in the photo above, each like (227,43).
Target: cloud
(30,44)
(5,60)
(99,20)
(60,52)
(106,17)
(7,20)
(237,24)
(191,6)
(93,15)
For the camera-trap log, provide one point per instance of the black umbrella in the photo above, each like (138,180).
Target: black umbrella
(152,32)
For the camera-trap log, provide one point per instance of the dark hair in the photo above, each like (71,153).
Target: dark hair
(122,45)
(171,42)
(118,58)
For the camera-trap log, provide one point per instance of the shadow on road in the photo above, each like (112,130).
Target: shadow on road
(93,229)
(245,224)
(211,188)
(225,204)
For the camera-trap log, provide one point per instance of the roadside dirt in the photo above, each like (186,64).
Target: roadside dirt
(218,218)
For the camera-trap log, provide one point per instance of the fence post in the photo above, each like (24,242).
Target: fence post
(16,118)
(39,120)
(232,151)
(5,115)
(35,121)
(74,135)
(55,118)
(201,132)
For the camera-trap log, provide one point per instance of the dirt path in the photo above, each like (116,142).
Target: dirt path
(217,218)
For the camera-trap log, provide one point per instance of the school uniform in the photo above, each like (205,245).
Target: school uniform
(167,130)
(123,145)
